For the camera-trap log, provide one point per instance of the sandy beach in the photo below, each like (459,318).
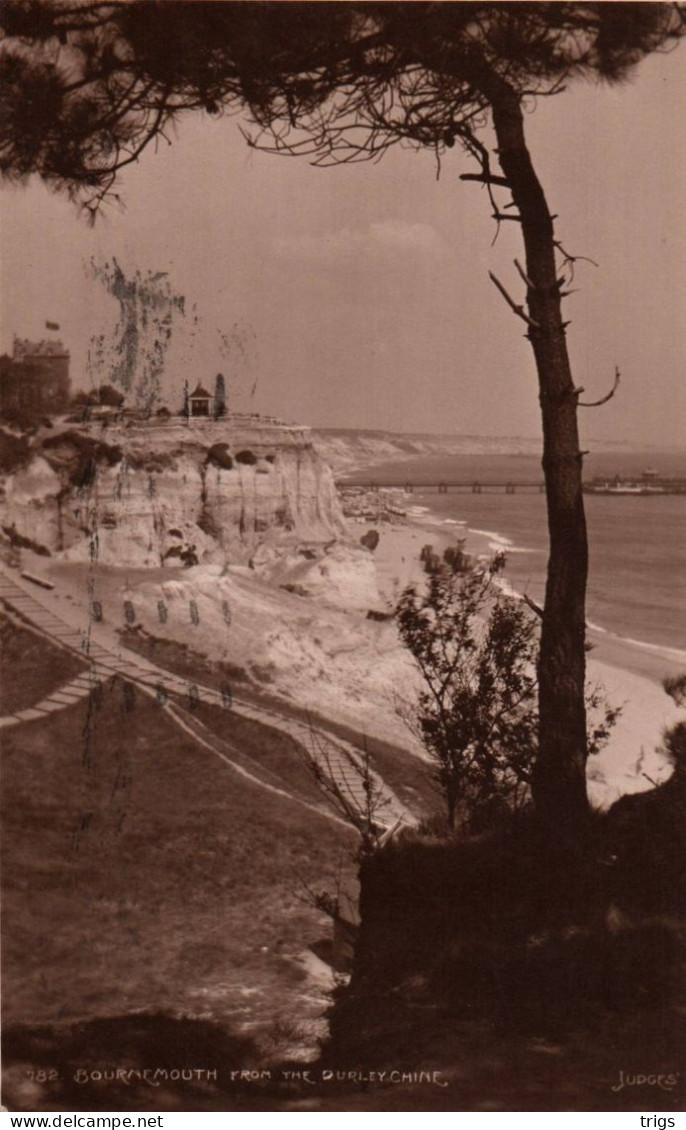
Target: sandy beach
(631,674)
(397,556)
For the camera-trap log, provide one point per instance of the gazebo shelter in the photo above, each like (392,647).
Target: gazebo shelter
(199,402)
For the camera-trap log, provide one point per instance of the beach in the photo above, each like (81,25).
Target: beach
(630,673)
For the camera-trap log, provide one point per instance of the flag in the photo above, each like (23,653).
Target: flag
(51,326)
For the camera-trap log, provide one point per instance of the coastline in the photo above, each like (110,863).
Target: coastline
(318,633)
(630,672)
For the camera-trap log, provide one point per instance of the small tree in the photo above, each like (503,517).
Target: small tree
(82,399)
(109,396)
(219,396)
(105,396)
(354,790)
(477,714)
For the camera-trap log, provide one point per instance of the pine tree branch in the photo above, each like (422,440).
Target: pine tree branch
(603,399)
(519,310)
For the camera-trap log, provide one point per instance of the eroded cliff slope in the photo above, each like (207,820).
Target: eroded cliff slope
(150,494)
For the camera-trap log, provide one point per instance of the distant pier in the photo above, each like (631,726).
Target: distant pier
(622,487)
(445,485)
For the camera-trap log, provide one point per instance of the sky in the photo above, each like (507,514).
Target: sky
(359,296)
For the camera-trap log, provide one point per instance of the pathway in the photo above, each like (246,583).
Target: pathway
(335,757)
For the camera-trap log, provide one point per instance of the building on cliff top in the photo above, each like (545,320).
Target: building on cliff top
(35,379)
(202,403)
(199,401)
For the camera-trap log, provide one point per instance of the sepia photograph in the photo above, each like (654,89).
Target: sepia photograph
(343,556)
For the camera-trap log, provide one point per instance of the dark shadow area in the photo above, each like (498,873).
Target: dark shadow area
(147,1061)
(529,971)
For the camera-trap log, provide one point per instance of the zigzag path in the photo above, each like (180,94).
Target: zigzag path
(336,758)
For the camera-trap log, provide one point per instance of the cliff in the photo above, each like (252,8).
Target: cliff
(218,514)
(348,450)
(150,494)
(353,450)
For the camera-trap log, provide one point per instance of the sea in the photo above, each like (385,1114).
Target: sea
(637,543)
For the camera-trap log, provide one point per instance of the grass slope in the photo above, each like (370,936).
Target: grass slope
(32,667)
(408,777)
(141,873)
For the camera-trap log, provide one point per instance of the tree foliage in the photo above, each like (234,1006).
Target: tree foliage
(87,87)
(219,408)
(476,711)
(675,687)
(106,396)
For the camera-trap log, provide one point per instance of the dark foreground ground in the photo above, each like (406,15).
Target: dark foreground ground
(155,941)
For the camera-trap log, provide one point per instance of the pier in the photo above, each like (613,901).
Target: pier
(653,487)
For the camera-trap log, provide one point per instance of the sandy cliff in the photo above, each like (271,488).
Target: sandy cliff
(154,494)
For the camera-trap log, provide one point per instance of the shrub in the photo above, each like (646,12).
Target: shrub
(105,396)
(218,456)
(109,397)
(477,712)
(80,455)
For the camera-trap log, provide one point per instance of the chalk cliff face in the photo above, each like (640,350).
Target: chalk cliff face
(174,493)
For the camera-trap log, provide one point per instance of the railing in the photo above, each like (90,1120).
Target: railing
(180,420)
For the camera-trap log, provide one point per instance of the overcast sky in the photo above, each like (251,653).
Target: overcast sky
(359,296)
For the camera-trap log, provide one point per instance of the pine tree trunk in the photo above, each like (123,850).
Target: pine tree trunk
(451,799)
(559,784)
